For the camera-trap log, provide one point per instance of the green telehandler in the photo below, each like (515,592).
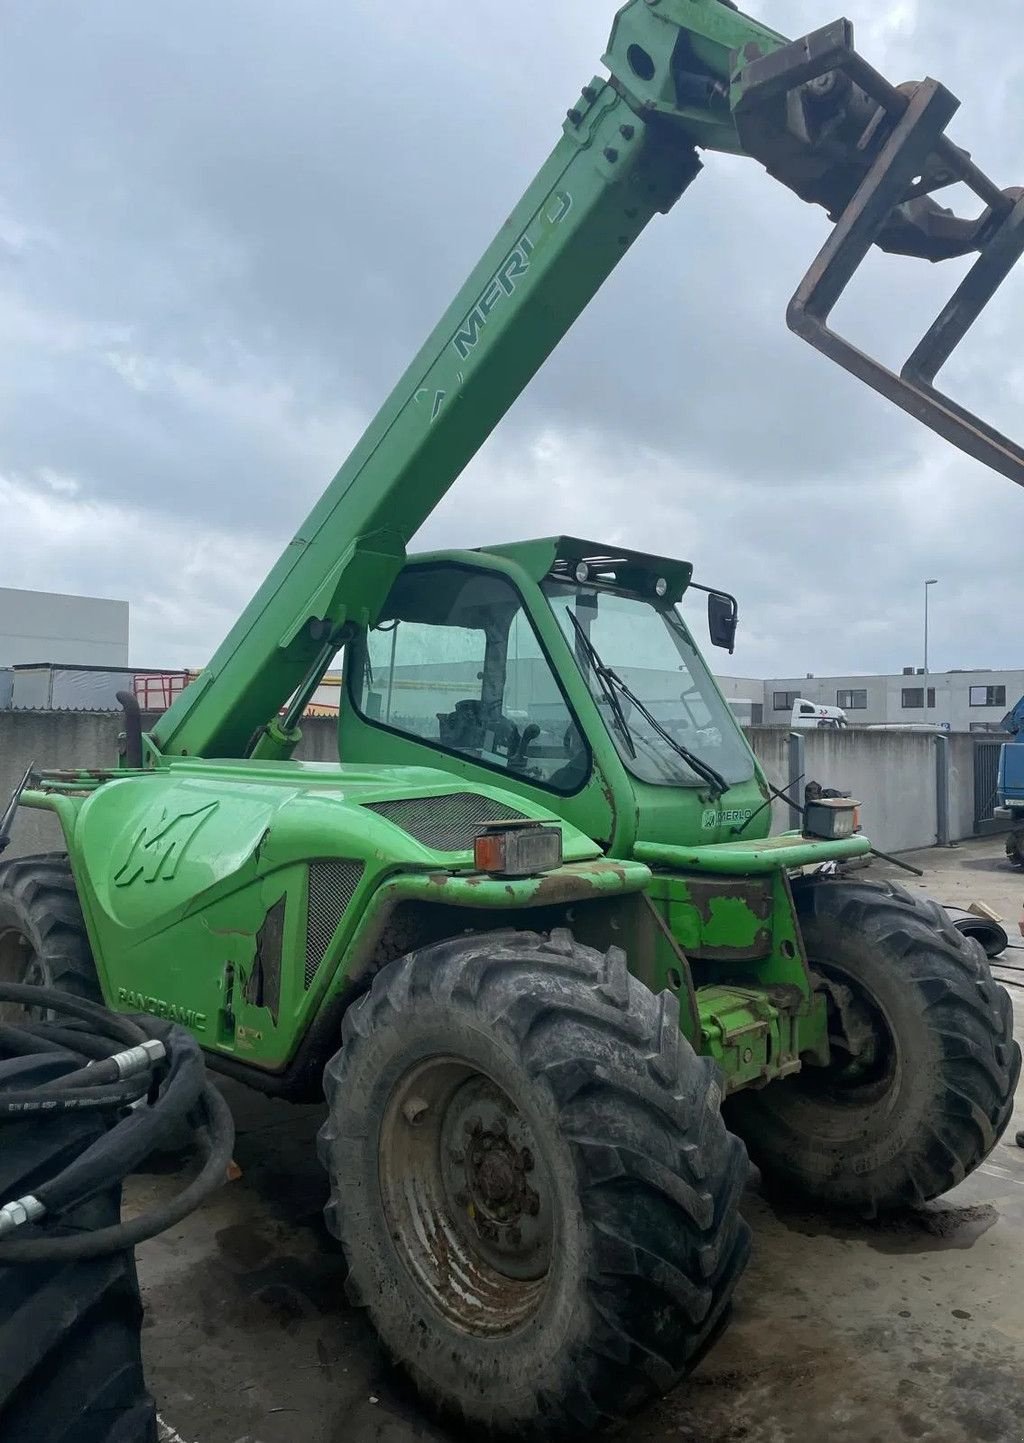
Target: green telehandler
(532,935)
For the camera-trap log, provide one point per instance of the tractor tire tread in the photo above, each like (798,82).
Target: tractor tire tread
(39,894)
(637,1108)
(70,1357)
(968,1024)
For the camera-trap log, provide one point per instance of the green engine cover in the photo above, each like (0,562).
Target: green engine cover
(227,895)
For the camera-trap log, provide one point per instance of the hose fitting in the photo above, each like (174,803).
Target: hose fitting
(24,1210)
(139,1059)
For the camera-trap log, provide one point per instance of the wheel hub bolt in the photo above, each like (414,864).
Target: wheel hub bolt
(497,1180)
(415,1110)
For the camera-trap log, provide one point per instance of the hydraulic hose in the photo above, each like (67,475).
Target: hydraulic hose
(147,1074)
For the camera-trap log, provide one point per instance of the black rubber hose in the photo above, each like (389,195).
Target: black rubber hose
(100,1072)
(71,1038)
(114,1024)
(20,1041)
(216,1138)
(40,1103)
(181,1095)
(121,1150)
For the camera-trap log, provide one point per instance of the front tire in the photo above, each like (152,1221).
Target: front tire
(924,1065)
(532,1181)
(70,1357)
(42,933)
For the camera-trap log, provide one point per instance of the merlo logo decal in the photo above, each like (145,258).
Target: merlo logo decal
(156,851)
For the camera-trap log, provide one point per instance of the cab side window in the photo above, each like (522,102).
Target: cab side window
(456,663)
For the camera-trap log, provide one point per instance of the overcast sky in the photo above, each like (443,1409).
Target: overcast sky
(225,228)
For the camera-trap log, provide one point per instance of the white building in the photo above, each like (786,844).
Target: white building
(745,696)
(963,701)
(45,626)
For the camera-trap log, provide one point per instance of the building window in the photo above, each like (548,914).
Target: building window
(852,700)
(913,698)
(756,713)
(931,697)
(784,700)
(988,696)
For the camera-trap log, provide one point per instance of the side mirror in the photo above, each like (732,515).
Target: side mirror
(723,618)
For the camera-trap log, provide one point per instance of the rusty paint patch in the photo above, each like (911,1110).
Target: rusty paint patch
(756,896)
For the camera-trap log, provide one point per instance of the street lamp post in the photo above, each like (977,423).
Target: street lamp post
(932,582)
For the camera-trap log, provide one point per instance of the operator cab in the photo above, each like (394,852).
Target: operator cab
(478,655)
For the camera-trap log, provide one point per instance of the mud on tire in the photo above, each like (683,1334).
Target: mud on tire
(927,1101)
(572,1100)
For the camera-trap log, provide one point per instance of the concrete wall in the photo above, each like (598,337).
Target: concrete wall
(891,773)
(961,785)
(89,739)
(48,626)
(55,739)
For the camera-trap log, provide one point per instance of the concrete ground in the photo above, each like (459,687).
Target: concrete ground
(844,1332)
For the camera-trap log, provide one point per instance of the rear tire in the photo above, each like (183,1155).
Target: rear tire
(532,1182)
(70,1359)
(927,1093)
(42,932)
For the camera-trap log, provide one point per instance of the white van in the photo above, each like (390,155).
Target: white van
(813,714)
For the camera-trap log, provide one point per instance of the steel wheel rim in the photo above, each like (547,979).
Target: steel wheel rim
(467,1197)
(867,1081)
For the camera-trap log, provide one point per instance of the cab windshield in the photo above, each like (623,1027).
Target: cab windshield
(651,687)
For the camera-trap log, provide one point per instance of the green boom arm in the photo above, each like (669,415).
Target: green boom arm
(684,73)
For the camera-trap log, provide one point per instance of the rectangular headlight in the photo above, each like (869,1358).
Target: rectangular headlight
(832,818)
(517,851)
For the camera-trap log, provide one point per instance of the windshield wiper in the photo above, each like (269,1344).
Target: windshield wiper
(612,683)
(703,769)
(600,671)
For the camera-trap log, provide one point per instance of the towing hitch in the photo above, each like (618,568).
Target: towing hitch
(834,130)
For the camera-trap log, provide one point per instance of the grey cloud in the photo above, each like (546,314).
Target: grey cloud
(230,227)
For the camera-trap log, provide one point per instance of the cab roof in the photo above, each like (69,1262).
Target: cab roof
(616,565)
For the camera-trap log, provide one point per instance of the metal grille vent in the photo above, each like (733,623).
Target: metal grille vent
(332,886)
(448,823)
